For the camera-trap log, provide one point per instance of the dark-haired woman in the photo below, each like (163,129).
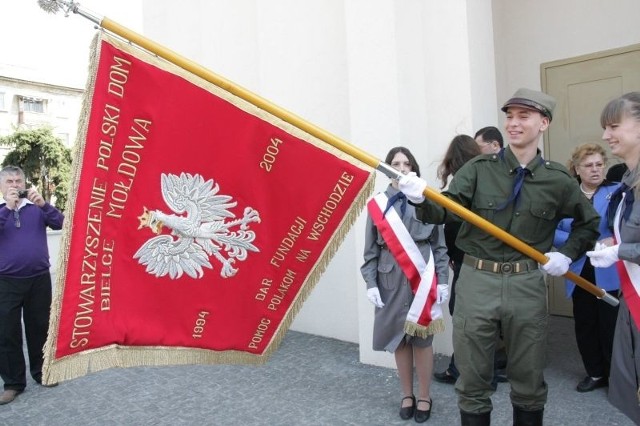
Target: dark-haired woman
(462,148)
(390,291)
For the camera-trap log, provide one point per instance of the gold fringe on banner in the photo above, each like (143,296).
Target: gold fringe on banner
(323,261)
(82,363)
(63,259)
(414,329)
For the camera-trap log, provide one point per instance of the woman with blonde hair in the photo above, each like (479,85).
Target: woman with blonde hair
(594,320)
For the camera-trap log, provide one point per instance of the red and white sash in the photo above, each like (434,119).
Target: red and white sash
(629,273)
(425,315)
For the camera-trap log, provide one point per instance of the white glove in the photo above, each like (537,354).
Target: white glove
(557,265)
(604,257)
(412,186)
(443,293)
(600,246)
(374,297)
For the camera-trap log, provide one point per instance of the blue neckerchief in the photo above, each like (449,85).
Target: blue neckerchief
(521,173)
(616,197)
(392,201)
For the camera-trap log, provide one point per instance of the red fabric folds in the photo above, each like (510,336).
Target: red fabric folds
(198,222)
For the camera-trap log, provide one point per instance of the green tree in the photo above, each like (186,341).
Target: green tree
(45,160)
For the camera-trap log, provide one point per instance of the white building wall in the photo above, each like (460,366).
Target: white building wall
(484,101)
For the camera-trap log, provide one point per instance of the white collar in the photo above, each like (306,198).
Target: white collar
(23,202)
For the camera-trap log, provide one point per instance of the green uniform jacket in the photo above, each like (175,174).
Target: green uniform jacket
(548,195)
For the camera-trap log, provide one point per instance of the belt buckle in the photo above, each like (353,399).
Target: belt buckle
(506,268)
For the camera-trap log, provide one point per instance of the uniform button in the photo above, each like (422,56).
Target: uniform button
(490,204)
(517,213)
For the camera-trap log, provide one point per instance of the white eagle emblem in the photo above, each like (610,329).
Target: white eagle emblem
(198,230)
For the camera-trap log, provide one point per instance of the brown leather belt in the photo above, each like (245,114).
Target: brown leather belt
(500,267)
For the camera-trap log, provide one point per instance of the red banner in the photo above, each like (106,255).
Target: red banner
(197,223)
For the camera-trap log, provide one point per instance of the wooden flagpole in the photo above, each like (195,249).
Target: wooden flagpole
(319,133)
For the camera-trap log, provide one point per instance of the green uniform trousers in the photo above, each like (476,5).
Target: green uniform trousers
(517,303)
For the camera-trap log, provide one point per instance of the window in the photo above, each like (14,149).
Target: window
(32,105)
(2,105)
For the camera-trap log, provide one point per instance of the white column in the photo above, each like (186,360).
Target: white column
(410,84)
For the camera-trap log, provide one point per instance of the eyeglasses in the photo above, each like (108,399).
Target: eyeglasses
(592,165)
(16,218)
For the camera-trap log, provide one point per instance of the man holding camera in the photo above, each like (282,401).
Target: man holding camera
(25,281)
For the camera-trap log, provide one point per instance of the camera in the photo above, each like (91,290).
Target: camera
(22,193)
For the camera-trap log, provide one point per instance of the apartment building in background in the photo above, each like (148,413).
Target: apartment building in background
(29,101)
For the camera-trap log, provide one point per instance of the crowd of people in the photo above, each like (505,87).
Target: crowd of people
(581,220)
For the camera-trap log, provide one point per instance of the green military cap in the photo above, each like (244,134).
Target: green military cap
(532,99)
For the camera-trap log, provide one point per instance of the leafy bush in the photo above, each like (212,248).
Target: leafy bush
(45,160)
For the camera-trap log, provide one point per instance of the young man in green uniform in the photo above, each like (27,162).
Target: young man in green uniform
(520,192)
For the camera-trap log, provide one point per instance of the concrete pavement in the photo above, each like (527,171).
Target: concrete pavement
(311,380)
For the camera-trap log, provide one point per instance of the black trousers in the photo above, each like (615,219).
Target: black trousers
(27,299)
(595,323)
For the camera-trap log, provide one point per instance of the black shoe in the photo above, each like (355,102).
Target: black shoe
(588,384)
(422,416)
(407,412)
(445,377)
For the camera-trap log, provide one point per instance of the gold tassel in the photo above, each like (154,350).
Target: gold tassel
(323,262)
(414,329)
(49,349)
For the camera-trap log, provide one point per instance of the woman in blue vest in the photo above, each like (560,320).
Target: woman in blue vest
(595,320)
